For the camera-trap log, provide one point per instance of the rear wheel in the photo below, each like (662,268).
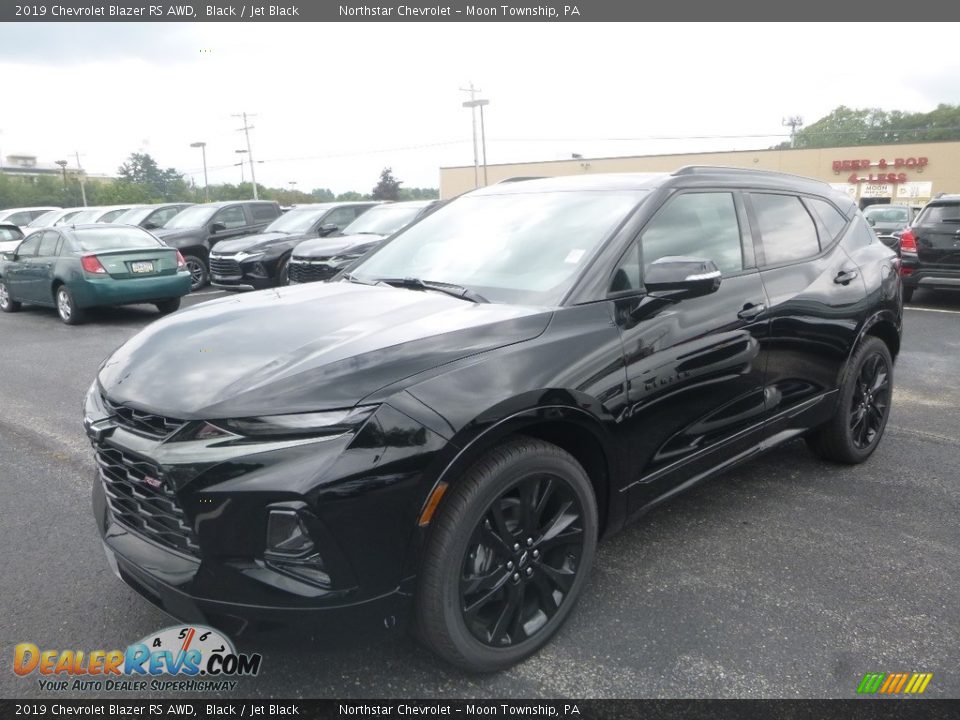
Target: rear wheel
(7,303)
(855,430)
(198,271)
(168,306)
(67,308)
(508,556)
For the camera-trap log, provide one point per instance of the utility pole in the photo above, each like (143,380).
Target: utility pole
(63,169)
(792,122)
(473,112)
(206,183)
(246,131)
(83,191)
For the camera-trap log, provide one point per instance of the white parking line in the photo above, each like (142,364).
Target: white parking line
(949,312)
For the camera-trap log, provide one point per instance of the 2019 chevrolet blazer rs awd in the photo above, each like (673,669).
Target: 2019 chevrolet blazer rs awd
(443,433)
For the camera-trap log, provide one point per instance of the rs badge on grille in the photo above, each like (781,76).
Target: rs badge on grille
(152,481)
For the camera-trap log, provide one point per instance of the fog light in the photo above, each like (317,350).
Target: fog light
(286,534)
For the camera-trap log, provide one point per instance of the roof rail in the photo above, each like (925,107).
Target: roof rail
(725,169)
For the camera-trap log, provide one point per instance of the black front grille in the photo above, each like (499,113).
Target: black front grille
(226,266)
(146,424)
(303,272)
(143,502)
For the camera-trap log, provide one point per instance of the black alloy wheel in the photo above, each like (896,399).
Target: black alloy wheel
(508,554)
(198,271)
(863,409)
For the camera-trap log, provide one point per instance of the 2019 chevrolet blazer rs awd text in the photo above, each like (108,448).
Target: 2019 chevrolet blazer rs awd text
(443,434)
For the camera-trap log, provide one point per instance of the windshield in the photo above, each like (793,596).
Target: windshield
(134,216)
(522,248)
(944,213)
(888,214)
(48,218)
(383,220)
(87,216)
(113,238)
(298,220)
(193,217)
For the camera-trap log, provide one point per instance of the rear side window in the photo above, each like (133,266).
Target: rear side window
(264,212)
(9,234)
(787,230)
(231,217)
(696,225)
(831,218)
(48,245)
(942,213)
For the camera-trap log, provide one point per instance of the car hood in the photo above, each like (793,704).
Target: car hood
(329,247)
(173,237)
(303,348)
(254,243)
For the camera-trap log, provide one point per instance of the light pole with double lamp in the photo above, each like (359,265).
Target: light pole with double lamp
(206,183)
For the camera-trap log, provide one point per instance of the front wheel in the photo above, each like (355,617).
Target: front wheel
(67,307)
(7,303)
(283,272)
(855,430)
(509,554)
(198,271)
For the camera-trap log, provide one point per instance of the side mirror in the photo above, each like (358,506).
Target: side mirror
(679,278)
(327,229)
(217,227)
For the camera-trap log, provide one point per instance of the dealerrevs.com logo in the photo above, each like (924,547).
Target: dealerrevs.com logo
(200,658)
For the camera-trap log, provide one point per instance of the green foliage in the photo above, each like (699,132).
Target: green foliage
(351,195)
(151,184)
(873,126)
(388,187)
(418,194)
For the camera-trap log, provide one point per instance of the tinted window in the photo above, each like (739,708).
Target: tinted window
(264,212)
(297,220)
(341,217)
(112,215)
(943,213)
(9,234)
(786,227)
(231,217)
(28,247)
(192,217)
(48,245)
(20,218)
(45,219)
(113,238)
(160,217)
(696,225)
(383,220)
(627,275)
(68,217)
(881,214)
(832,218)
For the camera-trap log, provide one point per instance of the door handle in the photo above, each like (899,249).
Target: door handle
(845,276)
(751,310)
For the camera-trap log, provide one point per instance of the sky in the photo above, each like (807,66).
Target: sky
(335,103)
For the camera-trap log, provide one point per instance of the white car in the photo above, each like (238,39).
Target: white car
(10,237)
(99,214)
(59,216)
(21,217)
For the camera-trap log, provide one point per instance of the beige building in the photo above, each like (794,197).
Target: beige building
(907,174)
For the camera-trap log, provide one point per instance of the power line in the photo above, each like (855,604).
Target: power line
(246,131)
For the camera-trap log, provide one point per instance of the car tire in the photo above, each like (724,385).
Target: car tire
(283,277)
(863,409)
(67,307)
(908,294)
(199,273)
(168,306)
(7,303)
(494,584)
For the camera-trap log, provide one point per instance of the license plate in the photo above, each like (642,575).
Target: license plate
(142,266)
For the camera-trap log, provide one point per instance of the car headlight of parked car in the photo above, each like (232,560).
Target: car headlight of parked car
(245,256)
(327,423)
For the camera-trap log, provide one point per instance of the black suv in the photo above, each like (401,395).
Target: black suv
(195,230)
(930,247)
(444,434)
(260,261)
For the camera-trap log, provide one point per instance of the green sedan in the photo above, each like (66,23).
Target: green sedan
(73,268)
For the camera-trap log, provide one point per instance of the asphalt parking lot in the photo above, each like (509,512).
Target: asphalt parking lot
(783,578)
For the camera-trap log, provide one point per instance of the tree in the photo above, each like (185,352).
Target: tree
(388,188)
(322,195)
(351,196)
(141,169)
(418,194)
(873,126)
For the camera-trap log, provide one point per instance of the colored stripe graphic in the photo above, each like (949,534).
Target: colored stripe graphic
(894,683)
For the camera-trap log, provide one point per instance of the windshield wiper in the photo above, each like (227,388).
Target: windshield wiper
(458,291)
(354,279)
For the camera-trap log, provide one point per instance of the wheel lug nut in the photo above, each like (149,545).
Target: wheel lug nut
(536,553)
(529,542)
(516,576)
(516,546)
(510,565)
(529,572)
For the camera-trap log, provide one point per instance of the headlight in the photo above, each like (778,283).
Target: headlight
(338,259)
(242,256)
(331,422)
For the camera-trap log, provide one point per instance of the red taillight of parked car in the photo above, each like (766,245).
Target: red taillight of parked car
(92,264)
(908,241)
(181,263)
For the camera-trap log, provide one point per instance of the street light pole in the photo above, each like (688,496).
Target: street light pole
(63,169)
(206,183)
(83,192)
(246,131)
(473,104)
